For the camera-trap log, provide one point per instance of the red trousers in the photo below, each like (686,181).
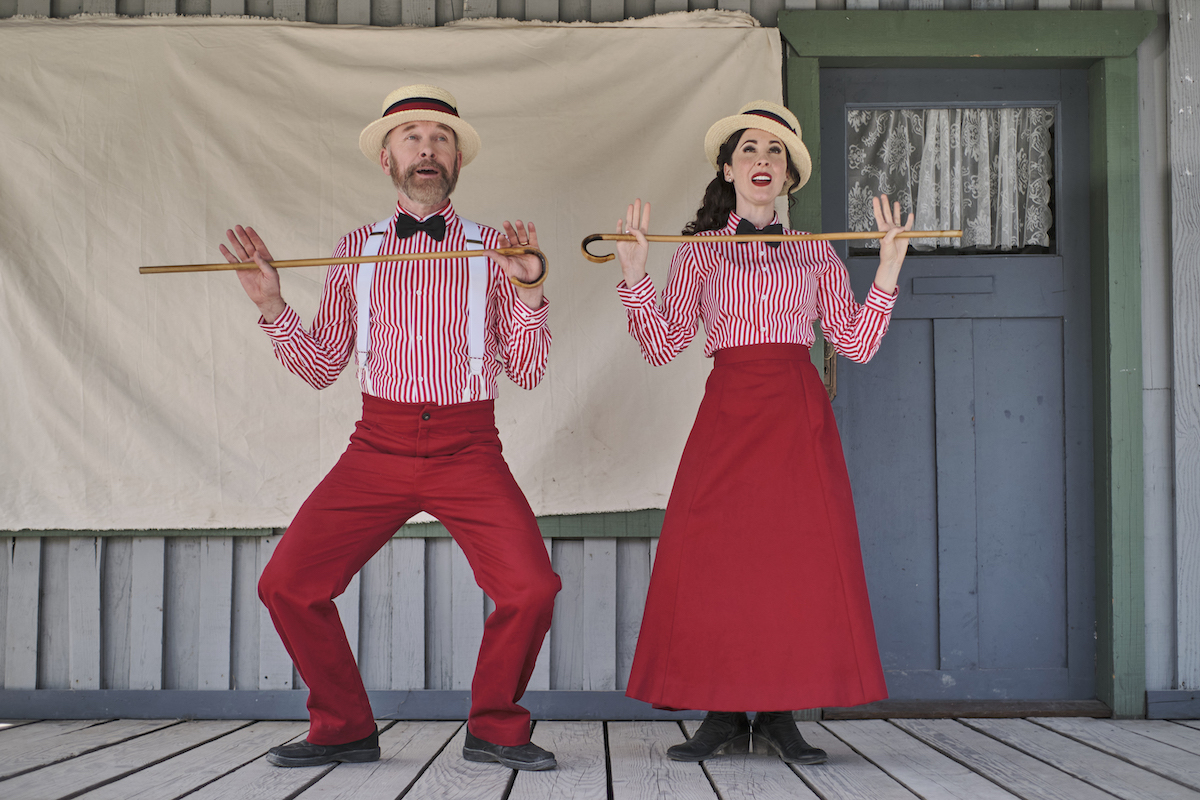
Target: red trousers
(403,459)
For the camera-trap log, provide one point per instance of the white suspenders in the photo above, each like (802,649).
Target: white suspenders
(476,307)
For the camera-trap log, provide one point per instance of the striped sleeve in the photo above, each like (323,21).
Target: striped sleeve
(522,333)
(664,331)
(855,331)
(318,356)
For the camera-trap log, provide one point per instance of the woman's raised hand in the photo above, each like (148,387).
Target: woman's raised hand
(891,250)
(633,254)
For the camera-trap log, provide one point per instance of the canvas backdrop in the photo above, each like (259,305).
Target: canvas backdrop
(134,402)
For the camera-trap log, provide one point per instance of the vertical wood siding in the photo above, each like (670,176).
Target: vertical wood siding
(430,13)
(183,613)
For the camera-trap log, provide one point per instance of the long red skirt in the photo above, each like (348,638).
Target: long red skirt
(758,601)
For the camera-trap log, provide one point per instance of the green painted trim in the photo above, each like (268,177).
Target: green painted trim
(642,524)
(974,35)
(1117,386)
(804,99)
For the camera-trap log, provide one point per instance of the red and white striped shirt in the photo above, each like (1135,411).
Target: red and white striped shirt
(750,293)
(418,323)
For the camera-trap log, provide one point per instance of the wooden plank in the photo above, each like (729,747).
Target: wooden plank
(33,8)
(1117,382)
(958,576)
(53,640)
(1053,5)
(51,741)
(847,774)
(405,749)
(353,12)
(581,774)
(1011,769)
(667,6)
(922,769)
(862,5)
(6,548)
(24,558)
(1163,759)
(751,777)
(159,7)
(181,613)
(274,663)
(1181,736)
(451,777)
(633,581)
(1086,763)
(539,681)
(408,613)
(608,10)
(418,12)
(640,768)
(148,569)
(734,5)
(950,709)
(213,657)
(348,609)
(289,9)
(908,34)
(197,767)
(599,614)
(376,603)
(247,611)
(68,778)
(229,8)
(1183,103)
(259,780)
(467,616)
(567,634)
(116,574)
(98,7)
(479,9)
(439,622)
(83,612)
(13,724)
(545,10)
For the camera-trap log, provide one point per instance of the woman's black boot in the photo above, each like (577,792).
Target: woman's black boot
(721,732)
(775,731)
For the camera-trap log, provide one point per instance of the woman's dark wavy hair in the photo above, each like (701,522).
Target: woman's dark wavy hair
(719,197)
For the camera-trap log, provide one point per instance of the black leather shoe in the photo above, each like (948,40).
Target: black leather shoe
(305,754)
(775,731)
(523,756)
(721,732)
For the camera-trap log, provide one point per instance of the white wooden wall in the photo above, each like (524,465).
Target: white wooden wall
(183,613)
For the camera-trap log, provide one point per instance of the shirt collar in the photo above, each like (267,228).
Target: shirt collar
(446,211)
(734,219)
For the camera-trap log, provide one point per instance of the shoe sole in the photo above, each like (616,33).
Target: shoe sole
(349,757)
(734,747)
(482,756)
(765,747)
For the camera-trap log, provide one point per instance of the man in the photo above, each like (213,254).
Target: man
(431,338)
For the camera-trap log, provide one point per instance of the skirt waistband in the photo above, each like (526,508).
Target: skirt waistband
(760,352)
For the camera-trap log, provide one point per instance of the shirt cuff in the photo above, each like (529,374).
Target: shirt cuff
(641,296)
(880,301)
(284,327)
(530,319)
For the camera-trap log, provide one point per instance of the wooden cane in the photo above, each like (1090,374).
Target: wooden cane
(320,262)
(759,237)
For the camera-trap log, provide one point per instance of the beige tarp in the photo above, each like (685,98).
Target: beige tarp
(144,402)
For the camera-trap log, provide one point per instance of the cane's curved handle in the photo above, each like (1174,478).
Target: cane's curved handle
(595,237)
(520,251)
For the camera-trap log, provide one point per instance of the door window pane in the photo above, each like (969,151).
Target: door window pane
(986,171)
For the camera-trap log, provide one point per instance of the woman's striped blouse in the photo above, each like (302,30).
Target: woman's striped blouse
(751,293)
(418,323)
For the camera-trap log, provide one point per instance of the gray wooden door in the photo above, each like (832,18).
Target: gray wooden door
(968,437)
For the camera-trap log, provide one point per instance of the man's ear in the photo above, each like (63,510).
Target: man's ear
(385,161)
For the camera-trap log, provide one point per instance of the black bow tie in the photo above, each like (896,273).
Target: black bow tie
(434,227)
(746,227)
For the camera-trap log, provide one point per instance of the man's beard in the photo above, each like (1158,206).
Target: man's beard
(426,190)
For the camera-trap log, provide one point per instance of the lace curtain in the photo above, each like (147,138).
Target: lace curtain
(985,171)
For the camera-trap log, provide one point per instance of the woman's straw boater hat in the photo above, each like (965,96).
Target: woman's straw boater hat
(772,118)
(420,102)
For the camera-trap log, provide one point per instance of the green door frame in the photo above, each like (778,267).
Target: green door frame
(1105,43)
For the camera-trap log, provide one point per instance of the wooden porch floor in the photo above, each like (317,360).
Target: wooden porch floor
(976,759)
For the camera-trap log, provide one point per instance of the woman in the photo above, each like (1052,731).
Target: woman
(758,600)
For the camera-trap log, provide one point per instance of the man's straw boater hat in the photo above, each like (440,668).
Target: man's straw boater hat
(420,102)
(772,118)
